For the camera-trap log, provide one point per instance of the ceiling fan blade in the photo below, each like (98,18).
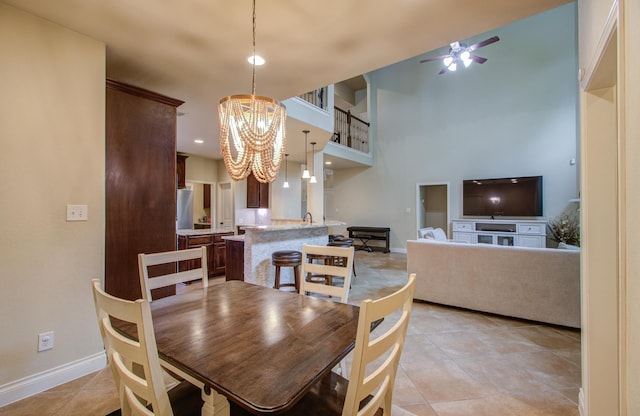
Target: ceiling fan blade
(484,43)
(442,71)
(478,59)
(435,58)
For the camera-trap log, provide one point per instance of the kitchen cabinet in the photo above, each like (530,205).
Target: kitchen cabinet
(215,249)
(235,260)
(181,171)
(257,193)
(140,177)
(206,195)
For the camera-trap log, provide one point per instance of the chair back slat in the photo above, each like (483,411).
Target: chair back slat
(154,259)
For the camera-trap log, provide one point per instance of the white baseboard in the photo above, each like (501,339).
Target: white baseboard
(581,409)
(37,383)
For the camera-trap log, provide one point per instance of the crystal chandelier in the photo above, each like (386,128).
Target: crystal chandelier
(252,131)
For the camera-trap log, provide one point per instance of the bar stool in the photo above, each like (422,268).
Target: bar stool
(287,258)
(342,242)
(320,278)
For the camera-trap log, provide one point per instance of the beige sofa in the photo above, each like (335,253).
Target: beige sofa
(539,284)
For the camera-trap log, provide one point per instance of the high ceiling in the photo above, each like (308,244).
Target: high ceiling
(196,50)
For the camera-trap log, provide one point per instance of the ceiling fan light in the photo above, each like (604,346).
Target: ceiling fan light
(447,61)
(453,66)
(466,58)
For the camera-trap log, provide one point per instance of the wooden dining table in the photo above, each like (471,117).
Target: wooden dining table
(259,347)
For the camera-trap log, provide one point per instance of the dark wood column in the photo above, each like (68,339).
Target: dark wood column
(140,183)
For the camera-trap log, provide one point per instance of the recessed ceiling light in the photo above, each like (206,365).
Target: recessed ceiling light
(328,162)
(199,141)
(259,60)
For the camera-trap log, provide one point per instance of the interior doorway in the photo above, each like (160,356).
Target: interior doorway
(225,207)
(432,208)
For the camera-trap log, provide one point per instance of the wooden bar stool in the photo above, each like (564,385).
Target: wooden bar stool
(320,278)
(342,242)
(287,258)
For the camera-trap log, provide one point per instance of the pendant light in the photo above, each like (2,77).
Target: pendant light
(305,172)
(313,152)
(286,182)
(252,131)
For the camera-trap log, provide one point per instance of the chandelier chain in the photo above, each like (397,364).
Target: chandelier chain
(253,75)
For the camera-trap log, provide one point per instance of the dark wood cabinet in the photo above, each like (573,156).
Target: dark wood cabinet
(140,183)
(206,195)
(181,171)
(215,250)
(257,193)
(235,260)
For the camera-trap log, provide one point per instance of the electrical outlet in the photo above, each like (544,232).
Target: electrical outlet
(77,212)
(45,341)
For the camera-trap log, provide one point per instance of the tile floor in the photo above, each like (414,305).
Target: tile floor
(454,363)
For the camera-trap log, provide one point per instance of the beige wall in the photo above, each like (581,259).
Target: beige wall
(631,192)
(611,284)
(52,132)
(202,169)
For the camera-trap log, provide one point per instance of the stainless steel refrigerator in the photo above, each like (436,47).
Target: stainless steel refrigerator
(184,216)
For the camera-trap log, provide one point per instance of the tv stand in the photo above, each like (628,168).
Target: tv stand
(521,233)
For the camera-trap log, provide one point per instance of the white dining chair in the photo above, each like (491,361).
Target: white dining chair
(369,390)
(135,364)
(168,257)
(326,269)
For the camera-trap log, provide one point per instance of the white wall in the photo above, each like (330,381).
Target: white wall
(515,115)
(285,202)
(52,128)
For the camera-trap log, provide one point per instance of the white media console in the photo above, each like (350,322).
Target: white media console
(523,233)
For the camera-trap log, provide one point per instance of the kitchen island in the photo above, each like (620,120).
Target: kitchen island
(249,255)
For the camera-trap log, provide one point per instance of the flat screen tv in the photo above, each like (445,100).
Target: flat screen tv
(509,197)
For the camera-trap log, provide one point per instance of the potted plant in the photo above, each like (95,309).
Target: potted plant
(565,229)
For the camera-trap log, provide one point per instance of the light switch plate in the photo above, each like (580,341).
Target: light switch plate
(77,213)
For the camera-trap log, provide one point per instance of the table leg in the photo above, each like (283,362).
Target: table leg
(215,404)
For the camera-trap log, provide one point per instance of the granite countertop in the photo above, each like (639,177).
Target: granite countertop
(288,224)
(203,231)
(234,237)
(278,227)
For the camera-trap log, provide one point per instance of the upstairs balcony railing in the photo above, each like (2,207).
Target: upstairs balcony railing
(316,97)
(350,131)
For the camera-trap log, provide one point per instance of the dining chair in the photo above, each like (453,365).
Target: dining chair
(369,390)
(326,268)
(191,255)
(135,363)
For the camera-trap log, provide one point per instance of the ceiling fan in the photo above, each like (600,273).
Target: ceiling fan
(461,53)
